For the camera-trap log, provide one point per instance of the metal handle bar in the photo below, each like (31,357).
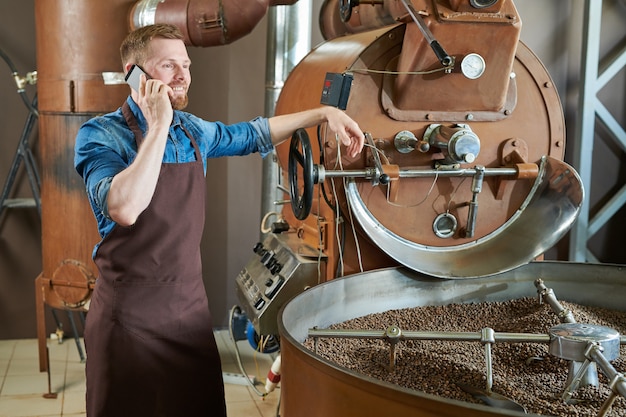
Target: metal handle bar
(429,335)
(372,173)
(443,57)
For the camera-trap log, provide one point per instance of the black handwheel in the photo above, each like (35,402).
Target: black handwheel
(345,9)
(301,202)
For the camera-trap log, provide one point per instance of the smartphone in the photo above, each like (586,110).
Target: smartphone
(133,76)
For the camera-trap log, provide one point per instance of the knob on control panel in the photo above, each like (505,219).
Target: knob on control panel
(267,258)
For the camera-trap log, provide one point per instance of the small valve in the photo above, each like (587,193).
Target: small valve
(405,142)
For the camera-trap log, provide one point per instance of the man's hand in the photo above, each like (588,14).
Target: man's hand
(154,102)
(347,130)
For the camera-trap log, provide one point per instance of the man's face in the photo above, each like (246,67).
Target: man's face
(169,62)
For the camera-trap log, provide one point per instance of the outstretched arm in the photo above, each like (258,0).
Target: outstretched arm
(346,129)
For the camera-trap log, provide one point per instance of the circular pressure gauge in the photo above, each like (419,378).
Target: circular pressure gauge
(473,66)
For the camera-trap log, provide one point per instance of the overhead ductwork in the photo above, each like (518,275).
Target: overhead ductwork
(204,22)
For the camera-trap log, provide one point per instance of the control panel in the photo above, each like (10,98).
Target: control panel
(280,269)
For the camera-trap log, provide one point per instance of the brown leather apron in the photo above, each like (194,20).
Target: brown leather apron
(149,338)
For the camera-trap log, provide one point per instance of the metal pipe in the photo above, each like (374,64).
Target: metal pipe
(565,315)
(617,381)
(204,23)
(288,40)
(477,185)
(498,337)
(416,173)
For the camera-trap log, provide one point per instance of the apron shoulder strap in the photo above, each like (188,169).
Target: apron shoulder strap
(131,121)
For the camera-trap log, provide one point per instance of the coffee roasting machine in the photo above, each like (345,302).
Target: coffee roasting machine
(460,190)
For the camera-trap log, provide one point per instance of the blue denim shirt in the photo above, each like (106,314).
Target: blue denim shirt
(105,145)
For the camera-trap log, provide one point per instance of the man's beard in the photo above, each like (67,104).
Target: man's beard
(180,102)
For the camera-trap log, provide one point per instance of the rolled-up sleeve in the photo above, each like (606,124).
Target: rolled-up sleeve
(264,141)
(217,139)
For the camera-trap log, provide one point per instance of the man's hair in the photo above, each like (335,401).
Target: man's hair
(135,48)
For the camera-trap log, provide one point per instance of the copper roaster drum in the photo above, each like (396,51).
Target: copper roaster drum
(398,86)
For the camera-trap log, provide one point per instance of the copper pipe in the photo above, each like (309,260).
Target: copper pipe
(204,22)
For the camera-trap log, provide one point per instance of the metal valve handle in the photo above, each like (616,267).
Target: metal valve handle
(301,202)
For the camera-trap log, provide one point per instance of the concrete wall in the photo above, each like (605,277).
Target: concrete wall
(229,85)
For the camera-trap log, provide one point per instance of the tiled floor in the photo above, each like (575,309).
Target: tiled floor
(22,386)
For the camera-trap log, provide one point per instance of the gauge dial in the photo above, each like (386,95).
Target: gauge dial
(473,66)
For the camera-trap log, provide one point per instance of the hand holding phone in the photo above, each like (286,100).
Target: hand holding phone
(133,76)
(155,105)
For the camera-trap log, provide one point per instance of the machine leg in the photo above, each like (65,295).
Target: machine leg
(41,324)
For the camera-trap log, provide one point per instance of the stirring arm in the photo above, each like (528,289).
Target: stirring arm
(443,57)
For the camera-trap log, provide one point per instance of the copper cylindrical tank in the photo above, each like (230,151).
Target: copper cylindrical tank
(77,41)
(314,386)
